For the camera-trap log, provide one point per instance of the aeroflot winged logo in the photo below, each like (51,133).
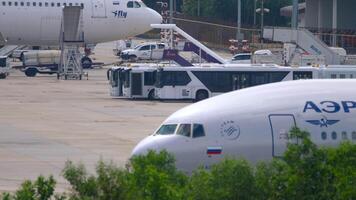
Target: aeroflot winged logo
(323,122)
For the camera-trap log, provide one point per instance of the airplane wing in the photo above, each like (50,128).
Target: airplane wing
(314,122)
(2,39)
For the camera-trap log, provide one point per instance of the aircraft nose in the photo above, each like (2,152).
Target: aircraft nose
(156,18)
(144,146)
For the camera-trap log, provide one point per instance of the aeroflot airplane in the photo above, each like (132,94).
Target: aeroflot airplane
(38,22)
(254,123)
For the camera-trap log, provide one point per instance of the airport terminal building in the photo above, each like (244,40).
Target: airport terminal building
(330,14)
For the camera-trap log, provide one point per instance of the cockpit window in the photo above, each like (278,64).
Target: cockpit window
(133,4)
(198,131)
(130,4)
(167,129)
(184,130)
(137,4)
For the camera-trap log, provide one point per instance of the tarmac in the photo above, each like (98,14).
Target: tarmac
(45,122)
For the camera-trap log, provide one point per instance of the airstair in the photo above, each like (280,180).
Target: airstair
(192,45)
(8,49)
(305,40)
(71,39)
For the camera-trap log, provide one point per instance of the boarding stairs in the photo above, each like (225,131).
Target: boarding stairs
(305,40)
(192,45)
(8,49)
(71,39)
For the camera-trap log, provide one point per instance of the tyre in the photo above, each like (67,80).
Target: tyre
(201,95)
(31,72)
(86,62)
(2,76)
(151,95)
(133,58)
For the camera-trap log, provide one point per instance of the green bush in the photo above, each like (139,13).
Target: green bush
(42,189)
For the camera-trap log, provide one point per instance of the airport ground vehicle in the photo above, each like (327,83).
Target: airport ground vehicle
(132,82)
(4,67)
(198,83)
(254,123)
(244,58)
(144,51)
(46,62)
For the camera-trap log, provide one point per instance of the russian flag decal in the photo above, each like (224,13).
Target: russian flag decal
(214,150)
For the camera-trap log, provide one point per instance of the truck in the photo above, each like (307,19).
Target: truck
(144,51)
(46,62)
(4,67)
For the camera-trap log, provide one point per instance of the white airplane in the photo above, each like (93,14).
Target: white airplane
(38,22)
(254,123)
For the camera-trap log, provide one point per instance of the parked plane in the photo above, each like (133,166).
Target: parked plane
(38,22)
(254,123)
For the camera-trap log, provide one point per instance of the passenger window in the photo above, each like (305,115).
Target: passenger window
(22,3)
(64,4)
(10,3)
(324,136)
(168,129)
(344,135)
(58,4)
(342,76)
(52,4)
(40,4)
(34,4)
(354,135)
(70,4)
(161,46)
(46,4)
(351,76)
(28,4)
(333,76)
(137,5)
(130,4)
(4,3)
(184,130)
(82,5)
(145,48)
(153,47)
(15,3)
(334,135)
(198,131)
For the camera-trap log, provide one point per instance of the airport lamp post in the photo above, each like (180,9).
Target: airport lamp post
(295,14)
(171,11)
(254,14)
(198,10)
(238,34)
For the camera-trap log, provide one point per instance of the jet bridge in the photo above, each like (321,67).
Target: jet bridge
(71,39)
(305,40)
(193,45)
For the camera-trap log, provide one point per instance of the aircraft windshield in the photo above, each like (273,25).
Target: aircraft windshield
(184,130)
(167,129)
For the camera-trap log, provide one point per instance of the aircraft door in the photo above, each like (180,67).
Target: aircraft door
(98,8)
(136,84)
(280,127)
